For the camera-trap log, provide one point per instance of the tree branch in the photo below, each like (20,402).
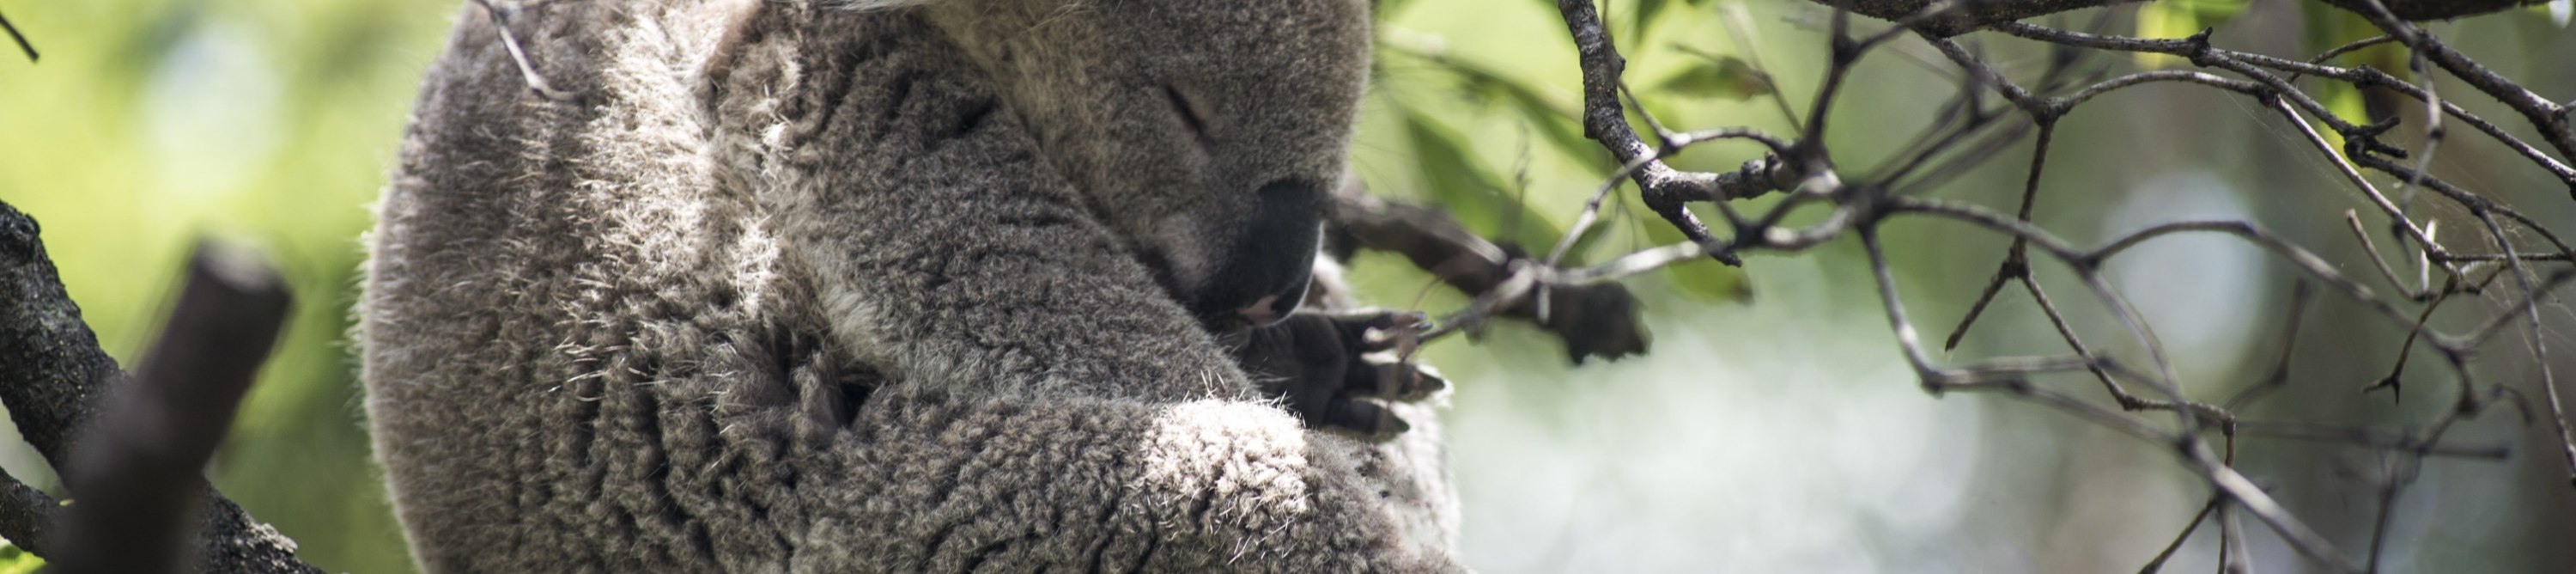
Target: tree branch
(1594,320)
(1968,133)
(52,376)
(137,473)
(1970,16)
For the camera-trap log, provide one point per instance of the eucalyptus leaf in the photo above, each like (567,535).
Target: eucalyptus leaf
(1384,9)
(15,560)
(2211,13)
(1558,124)
(1702,278)
(2180,19)
(1719,77)
(2327,28)
(1461,184)
(1644,14)
(2164,20)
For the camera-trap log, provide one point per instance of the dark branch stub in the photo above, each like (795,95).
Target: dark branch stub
(137,471)
(53,377)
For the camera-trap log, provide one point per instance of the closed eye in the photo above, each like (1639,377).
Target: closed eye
(1192,114)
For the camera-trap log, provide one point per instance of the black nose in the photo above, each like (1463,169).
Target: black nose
(1264,273)
(1276,306)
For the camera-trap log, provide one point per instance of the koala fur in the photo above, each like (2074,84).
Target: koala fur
(800,287)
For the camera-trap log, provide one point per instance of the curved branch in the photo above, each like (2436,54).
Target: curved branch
(1974,15)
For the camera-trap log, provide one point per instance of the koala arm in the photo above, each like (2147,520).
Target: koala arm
(946,251)
(1195,486)
(938,484)
(1026,400)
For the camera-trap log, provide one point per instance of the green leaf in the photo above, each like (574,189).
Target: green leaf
(1384,9)
(15,560)
(1703,279)
(1718,77)
(2163,20)
(1707,280)
(2180,19)
(1644,13)
(2343,101)
(1462,185)
(1557,123)
(2210,13)
(2327,28)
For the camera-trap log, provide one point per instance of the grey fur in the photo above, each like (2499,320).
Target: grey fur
(796,288)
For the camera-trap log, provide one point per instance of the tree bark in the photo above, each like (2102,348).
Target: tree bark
(52,377)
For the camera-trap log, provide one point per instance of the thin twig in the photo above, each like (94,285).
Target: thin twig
(21,39)
(1965,134)
(537,84)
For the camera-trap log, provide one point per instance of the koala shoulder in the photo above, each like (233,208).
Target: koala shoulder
(945,248)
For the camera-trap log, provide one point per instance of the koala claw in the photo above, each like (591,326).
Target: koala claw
(1387,376)
(1362,420)
(1329,368)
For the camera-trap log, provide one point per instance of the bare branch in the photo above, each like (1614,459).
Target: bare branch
(2158,563)
(2322,433)
(1968,130)
(2199,52)
(1663,188)
(1975,15)
(2539,348)
(2545,115)
(53,375)
(1593,319)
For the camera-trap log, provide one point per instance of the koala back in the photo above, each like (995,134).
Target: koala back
(594,341)
(544,306)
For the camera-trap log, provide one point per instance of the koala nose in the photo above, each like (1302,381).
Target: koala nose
(1275,306)
(1261,276)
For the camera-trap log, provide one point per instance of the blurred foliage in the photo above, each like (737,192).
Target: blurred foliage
(2181,19)
(1721,77)
(16,561)
(152,122)
(1459,93)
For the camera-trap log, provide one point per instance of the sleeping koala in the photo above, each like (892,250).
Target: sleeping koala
(907,286)
(1208,161)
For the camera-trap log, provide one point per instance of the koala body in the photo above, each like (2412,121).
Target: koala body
(810,288)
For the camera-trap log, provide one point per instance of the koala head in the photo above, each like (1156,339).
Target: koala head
(1206,133)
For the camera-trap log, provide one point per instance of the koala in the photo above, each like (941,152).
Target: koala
(950,285)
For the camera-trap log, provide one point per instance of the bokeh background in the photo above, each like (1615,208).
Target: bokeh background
(1773,428)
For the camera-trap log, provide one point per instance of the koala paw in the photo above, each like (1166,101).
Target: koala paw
(1332,368)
